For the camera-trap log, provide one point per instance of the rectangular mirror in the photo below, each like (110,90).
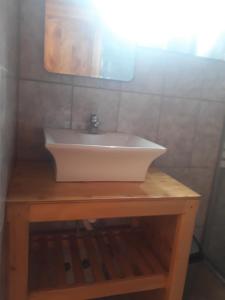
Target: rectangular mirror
(77,42)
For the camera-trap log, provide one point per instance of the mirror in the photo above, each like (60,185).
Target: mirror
(78,42)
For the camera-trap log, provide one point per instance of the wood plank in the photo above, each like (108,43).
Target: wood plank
(93,254)
(146,251)
(34,265)
(108,288)
(136,256)
(107,257)
(106,209)
(121,256)
(87,271)
(59,261)
(116,264)
(34,183)
(76,261)
(18,247)
(44,264)
(70,279)
(123,246)
(100,259)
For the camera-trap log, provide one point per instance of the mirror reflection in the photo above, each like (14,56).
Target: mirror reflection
(78,42)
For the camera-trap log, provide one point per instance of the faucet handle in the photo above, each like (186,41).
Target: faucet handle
(93,118)
(94,123)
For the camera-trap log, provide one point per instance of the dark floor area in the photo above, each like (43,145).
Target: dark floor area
(203,284)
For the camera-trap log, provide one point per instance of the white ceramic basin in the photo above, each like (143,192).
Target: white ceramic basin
(100,157)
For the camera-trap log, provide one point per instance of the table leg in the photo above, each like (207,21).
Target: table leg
(181,252)
(18,252)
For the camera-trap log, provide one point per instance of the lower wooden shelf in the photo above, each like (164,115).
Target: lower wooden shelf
(93,264)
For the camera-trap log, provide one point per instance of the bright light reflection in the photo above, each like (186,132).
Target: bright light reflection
(157,22)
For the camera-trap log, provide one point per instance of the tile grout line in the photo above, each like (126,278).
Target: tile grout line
(118,109)
(71,108)
(196,125)
(170,96)
(159,119)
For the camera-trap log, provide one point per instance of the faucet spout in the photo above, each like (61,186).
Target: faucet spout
(93,124)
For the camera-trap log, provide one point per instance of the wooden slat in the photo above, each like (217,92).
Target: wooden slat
(121,256)
(115,261)
(59,261)
(108,288)
(127,262)
(52,263)
(78,272)
(107,258)
(44,282)
(131,248)
(123,247)
(93,254)
(34,265)
(68,261)
(146,251)
(100,258)
(88,274)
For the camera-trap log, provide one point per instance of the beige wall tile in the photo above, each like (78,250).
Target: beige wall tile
(149,73)
(200,180)
(208,134)
(183,76)
(41,105)
(139,114)
(178,119)
(9,25)
(105,103)
(213,80)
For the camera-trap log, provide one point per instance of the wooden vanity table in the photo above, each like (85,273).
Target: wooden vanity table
(147,259)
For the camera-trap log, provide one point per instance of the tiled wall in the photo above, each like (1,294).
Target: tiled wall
(175,100)
(214,241)
(8,93)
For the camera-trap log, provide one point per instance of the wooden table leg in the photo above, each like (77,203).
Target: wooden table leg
(181,252)
(18,251)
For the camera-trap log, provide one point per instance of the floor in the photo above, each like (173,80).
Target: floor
(203,284)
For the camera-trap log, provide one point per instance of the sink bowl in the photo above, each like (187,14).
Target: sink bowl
(100,157)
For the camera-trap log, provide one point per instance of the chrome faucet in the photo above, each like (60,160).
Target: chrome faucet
(94,123)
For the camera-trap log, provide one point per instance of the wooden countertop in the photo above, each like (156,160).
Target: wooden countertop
(34,182)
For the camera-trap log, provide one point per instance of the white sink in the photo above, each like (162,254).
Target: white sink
(100,157)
